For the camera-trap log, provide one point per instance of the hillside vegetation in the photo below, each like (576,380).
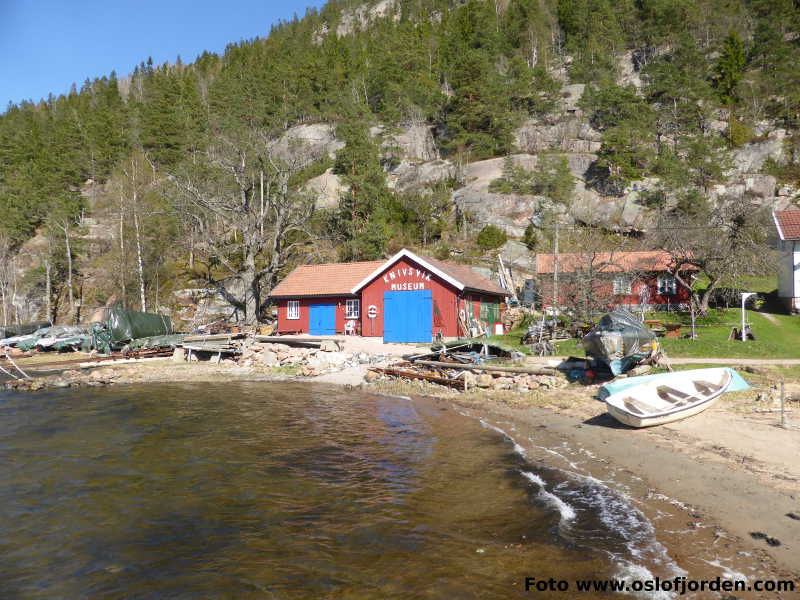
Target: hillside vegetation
(194,175)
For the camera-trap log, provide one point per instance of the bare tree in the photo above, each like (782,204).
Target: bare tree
(731,244)
(6,275)
(237,198)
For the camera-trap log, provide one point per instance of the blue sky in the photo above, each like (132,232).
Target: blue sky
(46,45)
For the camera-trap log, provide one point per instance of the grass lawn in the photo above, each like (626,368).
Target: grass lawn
(777,336)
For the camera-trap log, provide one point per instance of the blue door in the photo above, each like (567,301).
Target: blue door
(407,316)
(322,319)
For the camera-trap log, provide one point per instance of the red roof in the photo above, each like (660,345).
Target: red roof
(788,224)
(332,279)
(343,279)
(608,262)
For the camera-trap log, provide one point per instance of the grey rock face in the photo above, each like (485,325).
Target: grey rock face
(326,189)
(304,144)
(750,158)
(412,142)
(412,175)
(568,135)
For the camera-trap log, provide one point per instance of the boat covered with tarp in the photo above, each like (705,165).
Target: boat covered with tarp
(9,334)
(620,341)
(114,328)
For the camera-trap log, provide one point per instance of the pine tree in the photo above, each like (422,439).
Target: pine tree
(730,67)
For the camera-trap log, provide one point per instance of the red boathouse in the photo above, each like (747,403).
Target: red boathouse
(407,298)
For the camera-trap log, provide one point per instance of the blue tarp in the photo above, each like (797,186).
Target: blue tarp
(737,382)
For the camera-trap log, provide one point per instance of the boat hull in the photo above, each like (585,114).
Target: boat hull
(665,401)
(635,421)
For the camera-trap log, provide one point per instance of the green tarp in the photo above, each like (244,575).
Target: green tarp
(157,341)
(22,328)
(119,327)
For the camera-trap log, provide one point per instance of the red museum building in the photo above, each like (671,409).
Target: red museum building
(407,298)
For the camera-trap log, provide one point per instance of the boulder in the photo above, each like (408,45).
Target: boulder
(502,383)
(329,346)
(268,358)
(484,380)
(179,355)
(371,376)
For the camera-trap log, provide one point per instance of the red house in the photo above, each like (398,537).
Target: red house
(407,298)
(608,279)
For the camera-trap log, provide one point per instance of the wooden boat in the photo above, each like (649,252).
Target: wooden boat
(665,400)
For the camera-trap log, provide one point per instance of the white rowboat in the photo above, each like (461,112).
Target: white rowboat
(679,396)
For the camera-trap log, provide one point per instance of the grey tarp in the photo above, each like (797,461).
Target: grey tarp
(620,340)
(7,331)
(122,326)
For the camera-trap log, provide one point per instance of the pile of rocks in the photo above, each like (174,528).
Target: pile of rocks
(65,379)
(518,383)
(309,361)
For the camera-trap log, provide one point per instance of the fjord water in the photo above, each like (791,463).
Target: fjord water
(254,490)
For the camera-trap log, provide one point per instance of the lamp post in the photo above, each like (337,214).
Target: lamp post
(745,296)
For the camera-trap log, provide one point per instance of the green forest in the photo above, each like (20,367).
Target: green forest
(169,177)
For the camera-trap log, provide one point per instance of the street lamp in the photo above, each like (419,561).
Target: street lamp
(745,296)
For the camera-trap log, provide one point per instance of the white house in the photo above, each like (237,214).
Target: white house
(787,222)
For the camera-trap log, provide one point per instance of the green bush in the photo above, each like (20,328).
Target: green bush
(491,237)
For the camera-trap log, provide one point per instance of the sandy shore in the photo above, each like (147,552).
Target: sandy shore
(707,483)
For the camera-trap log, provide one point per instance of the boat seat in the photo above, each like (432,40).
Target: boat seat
(670,395)
(704,387)
(631,405)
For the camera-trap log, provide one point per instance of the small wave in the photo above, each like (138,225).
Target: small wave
(614,508)
(565,510)
(727,572)
(630,572)
(571,464)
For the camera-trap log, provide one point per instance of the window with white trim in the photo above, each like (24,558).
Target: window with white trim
(622,285)
(353,309)
(293,309)
(667,285)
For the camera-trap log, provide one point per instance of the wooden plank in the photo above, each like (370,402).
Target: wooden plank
(214,337)
(488,367)
(454,383)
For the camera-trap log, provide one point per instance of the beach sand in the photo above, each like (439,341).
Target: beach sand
(707,483)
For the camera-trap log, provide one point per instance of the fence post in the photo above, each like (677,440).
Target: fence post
(783,414)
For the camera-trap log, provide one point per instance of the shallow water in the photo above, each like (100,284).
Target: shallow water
(253,490)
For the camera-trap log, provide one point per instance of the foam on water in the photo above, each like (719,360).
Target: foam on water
(727,572)
(630,572)
(635,534)
(565,510)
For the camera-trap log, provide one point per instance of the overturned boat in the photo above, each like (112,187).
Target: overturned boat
(619,341)
(668,399)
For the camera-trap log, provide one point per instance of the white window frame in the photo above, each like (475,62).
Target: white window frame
(667,285)
(353,309)
(293,310)
(622,285)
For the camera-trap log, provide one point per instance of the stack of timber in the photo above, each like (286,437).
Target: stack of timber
(319,343)
(486,375)
(220,343)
